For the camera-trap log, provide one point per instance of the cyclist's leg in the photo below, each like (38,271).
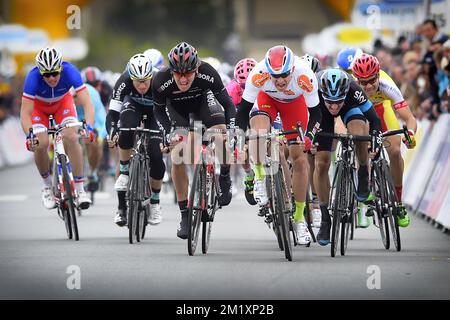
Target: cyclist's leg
(39,120)
(129,118)
(212,114)
(357,125)
(262,115)
(67,113)
(157,169)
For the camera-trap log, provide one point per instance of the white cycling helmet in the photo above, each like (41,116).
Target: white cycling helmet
(140,67)
(156,57)
(48,60)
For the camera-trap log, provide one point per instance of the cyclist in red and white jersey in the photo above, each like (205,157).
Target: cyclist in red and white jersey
(282,83)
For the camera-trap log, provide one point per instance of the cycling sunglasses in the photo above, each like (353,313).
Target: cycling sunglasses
(183,74)
(328,101)
(51,73)
(282,75)
(368,81)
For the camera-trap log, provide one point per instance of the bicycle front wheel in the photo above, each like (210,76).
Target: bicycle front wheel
(133,199)
(281,200)
(69,204)
(195,209)
(211,207)
(392,207)
(337,198)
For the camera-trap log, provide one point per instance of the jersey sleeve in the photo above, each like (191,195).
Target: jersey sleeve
(255,80)
(31,85)
(391,91)
(74,76)
(307,81)
(120,91)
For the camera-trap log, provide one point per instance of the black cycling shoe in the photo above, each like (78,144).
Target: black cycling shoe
(121,218)
(362,192)
(225,190)
(93,184)
(323,237)
(249,184)
(182,231)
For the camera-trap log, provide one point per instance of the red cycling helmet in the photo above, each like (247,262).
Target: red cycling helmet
(243,69)
(365,66)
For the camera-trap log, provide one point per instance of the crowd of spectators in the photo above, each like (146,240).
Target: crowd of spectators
(419,64)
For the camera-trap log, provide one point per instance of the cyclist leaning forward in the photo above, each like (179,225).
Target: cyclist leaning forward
(131,100)
(386,97)
(282,83)
(192,89)
(46,92)
(341,97)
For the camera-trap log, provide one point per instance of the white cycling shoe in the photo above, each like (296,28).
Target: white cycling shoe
(260,192)
(121,183)
(317,217)
(302,233)
(155,214)
(48,200)
(83,201)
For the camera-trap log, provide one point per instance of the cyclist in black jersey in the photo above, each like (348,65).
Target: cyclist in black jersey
(131,99)
(341,97)
(190,89)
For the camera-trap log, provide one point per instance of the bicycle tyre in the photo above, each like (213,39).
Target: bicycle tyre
(68,197)
(133,199)
(211,207)
(393,209)
(380,203)
(194,209)
(281,198)
(336,191)
(146,195)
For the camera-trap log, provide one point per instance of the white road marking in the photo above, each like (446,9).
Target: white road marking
(13,197)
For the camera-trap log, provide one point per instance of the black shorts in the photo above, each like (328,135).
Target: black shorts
(208,110)
(327,125)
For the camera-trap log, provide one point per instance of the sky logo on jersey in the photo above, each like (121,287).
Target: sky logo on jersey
(259,79)
(360,97)
(305,83)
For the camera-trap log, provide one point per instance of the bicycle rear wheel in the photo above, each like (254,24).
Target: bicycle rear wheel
(69,204)
(281,204)
(195,208)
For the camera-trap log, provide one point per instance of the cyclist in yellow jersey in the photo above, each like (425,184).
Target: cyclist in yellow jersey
(387,98)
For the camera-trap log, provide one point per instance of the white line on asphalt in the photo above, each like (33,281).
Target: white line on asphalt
(13,197)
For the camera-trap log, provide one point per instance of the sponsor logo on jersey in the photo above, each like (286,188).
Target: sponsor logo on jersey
(165,85)
(62,89)
(206,77)
(117,93)
(37,118)
(265,106)
(289,92)
(360,97)
(66,111)
(305,83)
(259,79)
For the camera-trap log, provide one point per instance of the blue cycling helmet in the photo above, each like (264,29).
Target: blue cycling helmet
(334,84)
(347,56)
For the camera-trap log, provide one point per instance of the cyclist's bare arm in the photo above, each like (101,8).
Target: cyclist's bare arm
(408,118)
(88,106)
(25,114)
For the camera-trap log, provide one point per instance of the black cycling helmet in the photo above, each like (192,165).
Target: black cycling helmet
(183,58)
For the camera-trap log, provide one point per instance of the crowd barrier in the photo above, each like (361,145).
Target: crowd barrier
(12,144)
(427,172)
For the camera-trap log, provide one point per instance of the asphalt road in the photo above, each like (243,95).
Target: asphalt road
(37,261)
